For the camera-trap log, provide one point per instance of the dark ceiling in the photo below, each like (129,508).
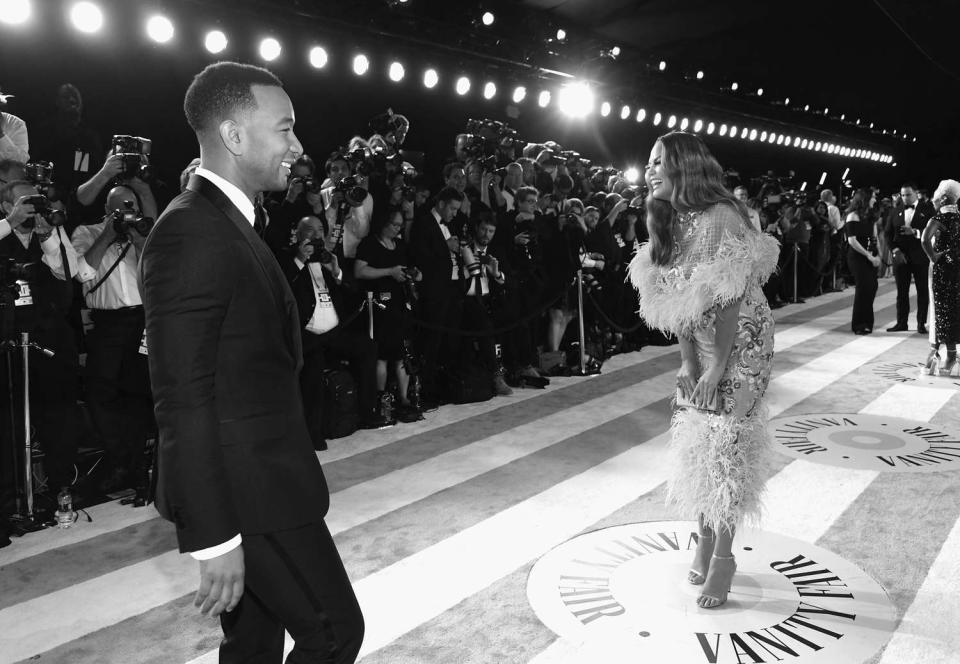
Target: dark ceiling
(893,63)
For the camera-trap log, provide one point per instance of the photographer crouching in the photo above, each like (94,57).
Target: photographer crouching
(36,296)
(117,377)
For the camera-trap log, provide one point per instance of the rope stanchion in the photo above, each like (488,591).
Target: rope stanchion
(370,313)
(583,334)
(796,254)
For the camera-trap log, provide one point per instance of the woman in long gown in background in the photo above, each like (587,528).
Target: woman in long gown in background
(945,278)
(700,277)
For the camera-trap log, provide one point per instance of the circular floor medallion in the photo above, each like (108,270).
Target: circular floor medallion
(867,442)
(620,595)
(909,373)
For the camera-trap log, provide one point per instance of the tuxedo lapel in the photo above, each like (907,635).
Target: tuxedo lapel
(279,289)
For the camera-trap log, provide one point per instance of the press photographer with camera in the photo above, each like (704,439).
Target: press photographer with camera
(117,376)
(327,303)
(347,203)
(14,139)
(127,163)
(36,298)
(285,209)
(384,268)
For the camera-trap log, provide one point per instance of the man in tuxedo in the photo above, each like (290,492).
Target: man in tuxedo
(435,250)
(903,229)
(238,475)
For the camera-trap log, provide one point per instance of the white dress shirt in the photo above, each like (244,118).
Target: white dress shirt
(356,223)
(908,215)
(454,273)
(14,144)
(122,287)
(833,214)
(324,316)
(245,205)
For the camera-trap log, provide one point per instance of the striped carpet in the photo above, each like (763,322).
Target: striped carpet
(439,522)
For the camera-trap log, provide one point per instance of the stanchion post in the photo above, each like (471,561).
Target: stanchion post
(583,335)
(796,255)
(27,451)
(370,313)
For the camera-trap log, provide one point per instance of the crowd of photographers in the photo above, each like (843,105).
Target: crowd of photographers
(412,291)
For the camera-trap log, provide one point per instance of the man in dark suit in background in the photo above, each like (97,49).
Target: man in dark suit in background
(237,470)
(903,229)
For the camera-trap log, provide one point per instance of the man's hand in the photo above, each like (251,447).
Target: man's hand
(315,201)
(453,244)
(398,274)
(522,239)
(221,583)
(42,227)
(112,167)
(137,239)
(305,250)
(332,264)
(493,265)
(21,212)
(294,189)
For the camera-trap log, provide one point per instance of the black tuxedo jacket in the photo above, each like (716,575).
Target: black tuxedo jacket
(910,245)
(430,253)
(224,352)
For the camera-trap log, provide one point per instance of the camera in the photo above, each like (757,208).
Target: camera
(135,154)
(352,192)
(125,219)
(484,138)
(39,172)
(320,253)
(41,206)
(310,184)
(11,272)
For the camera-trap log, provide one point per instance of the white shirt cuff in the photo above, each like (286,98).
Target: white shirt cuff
(51,245)
(5,228)
(218,550)
(84,273)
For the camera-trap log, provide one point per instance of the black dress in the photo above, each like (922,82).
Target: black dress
(864,273)
(946,280)
(389,315)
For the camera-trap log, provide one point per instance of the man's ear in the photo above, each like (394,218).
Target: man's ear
(6,207)
(231,134)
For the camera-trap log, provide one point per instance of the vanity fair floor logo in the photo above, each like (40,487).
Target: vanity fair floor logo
(621,595)
(909,373)
(867,442)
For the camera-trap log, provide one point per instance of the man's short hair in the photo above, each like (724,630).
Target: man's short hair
(909,185)
(523,193)
(222,90)
(825,194)
(6,191)
(450,168)
(448,194)
(7,166)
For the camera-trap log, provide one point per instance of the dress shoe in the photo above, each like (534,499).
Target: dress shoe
(897,328)
(921,329)
(500,387)
(377,422)
(863,330)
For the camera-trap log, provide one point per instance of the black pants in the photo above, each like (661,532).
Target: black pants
(294,580)
(865,283)
(441,305)
(917,268)
(351,343)
(476,316)
(118,387)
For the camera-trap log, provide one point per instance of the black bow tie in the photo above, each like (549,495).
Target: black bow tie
(910,207)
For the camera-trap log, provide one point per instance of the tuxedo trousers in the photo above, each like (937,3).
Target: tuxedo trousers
(916,268)
(295,581)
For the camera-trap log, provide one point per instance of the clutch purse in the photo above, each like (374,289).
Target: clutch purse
(713,405)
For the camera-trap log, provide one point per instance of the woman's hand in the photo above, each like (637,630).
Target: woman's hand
(706,388)
(687,377)
(875,260)
(398,273)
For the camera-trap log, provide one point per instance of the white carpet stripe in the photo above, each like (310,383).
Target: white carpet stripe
(928,632)
(179,575)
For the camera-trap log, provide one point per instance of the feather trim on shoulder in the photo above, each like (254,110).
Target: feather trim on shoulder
(677,302)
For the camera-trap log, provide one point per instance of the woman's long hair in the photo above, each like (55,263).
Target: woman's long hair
(860,203)
(697,179)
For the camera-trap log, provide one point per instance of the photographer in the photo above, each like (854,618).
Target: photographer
(347,205)
(121,168)
(118,382)
(329,327)
(512,181)
(382,268)
(14,140)
(484,279)
(301,199)
(37,299)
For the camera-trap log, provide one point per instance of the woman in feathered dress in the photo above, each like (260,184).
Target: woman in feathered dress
(700,277)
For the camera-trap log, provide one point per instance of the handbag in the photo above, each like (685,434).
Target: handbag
(714,405)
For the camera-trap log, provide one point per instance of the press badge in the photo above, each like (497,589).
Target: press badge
(24,294)
(143,343)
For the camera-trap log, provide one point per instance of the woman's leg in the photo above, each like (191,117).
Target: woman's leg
(403,382)
(701,559)
(381,375)
(722,568)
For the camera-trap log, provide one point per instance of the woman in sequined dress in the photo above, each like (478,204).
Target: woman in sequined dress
(945,228)
(700,277)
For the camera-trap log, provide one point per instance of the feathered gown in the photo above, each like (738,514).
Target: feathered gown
(719,462)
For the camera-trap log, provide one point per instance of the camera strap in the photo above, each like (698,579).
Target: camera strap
(113,267)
